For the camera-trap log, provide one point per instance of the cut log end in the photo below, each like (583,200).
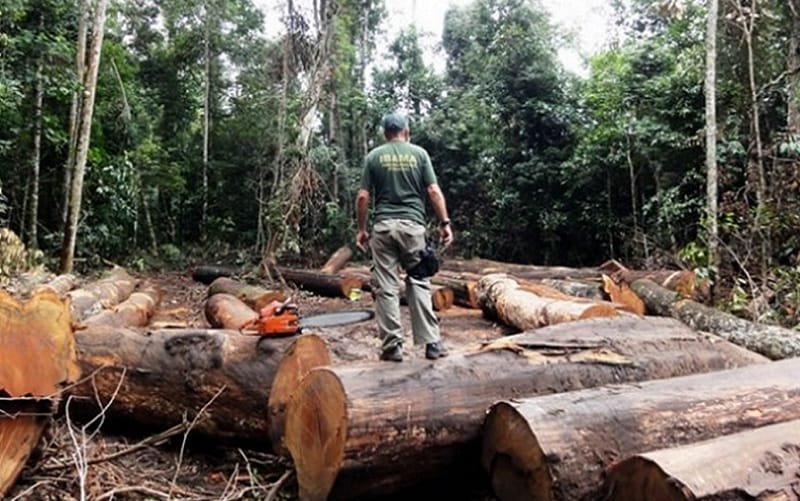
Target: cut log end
(316,430)
(307,352)
(442,298)
(18,437)
(640,478)
(513,457)
(228,312)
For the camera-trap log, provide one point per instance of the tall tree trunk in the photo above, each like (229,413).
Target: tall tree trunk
(711,134)
(36,154)
(85,129)
(80,70)
(793,112)
(206,118)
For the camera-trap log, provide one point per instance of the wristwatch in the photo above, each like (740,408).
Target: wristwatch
(444,223)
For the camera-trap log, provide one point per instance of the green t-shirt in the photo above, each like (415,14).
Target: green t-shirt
(397,174)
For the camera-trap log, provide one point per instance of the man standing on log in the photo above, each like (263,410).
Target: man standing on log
(400,176)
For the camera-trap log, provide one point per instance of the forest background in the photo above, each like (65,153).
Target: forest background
(210,139)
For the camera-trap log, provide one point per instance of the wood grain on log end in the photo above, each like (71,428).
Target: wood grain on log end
(18,437)
(350,282)
(316,430)
(513,458)
(307,352)
(226,311)
(639,478)
(442,298)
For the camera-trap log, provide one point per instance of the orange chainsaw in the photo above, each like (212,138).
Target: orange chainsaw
(283,319)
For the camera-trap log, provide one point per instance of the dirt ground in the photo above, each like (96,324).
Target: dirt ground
(77,459)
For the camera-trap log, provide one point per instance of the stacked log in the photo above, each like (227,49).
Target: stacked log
(502,297)
(96,296)
(524,271)
(38,360)
(252,295)
(442,298)
(465,291)
(556,447)
(135,311)
(769,340)
(576,288)
(225,311)
(61,285)
(758,464)
(337,260)
(324,284)
(344,424)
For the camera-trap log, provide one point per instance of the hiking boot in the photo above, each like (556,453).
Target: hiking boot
(434,351)
(394,354)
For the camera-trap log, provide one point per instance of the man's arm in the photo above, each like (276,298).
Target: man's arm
(362,204)
(440,208)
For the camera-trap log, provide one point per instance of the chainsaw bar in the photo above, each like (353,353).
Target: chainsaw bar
(334,319)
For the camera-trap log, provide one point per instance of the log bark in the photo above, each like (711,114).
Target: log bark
(135,311)
(588,290)
(320,283)
(337,260)
(109,291)
(252,295)
(38,360)
(344,424)
(224,311)
(60,285)
(502,297)
(465,292)
(206,274)
(769,340)
(757,464)
(556,447)
(169,375)
(528,272)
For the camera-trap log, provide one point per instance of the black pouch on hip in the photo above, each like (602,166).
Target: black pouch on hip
(428,264)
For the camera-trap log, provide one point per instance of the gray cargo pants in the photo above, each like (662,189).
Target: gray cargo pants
(395,243)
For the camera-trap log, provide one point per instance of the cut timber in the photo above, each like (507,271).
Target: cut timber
(253,296)
(758,464)
(323,284)
(588,290)
(305,353)
(135,311)
(362,274)
(686,283)
(441,297)
(621,293)
(337,260)
(771,341)
(502,297)
(169,375)
(348,423)
(465,292)
(556,447)
(525,271)
(206,274)
(61,285)
(38,360)
(94,297)
(224,311)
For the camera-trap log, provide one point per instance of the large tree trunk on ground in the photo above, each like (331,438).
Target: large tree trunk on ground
(224,311)
(169,375)
(109,291)
(135,311)
(588,290)
(769,340)
(337,260)
(60,285)
(206,274)
(323,284)
(556,447)
(38,360)
(366,416)
(528,272)
(465,292)
(441,297)
(757,464)
(253,296)
(502,297)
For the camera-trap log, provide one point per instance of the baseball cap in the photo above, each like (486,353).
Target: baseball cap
(394,121)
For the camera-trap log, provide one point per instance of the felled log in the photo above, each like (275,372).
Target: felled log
(757,464)
(501,296)
(524,271)
(38,359)
(362,273)
(348,423)
(588,290)
(60,285)
(224,311)
(324,284)
(206,274)
(172,373)
(556,447)
(465,292)
(442,298)
(253,296)
(337,260)
(92,298)
(135,311)
(771,341)
(684,282)
(622,293)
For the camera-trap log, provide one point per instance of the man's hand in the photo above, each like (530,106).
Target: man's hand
(362,240)
(445,236)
